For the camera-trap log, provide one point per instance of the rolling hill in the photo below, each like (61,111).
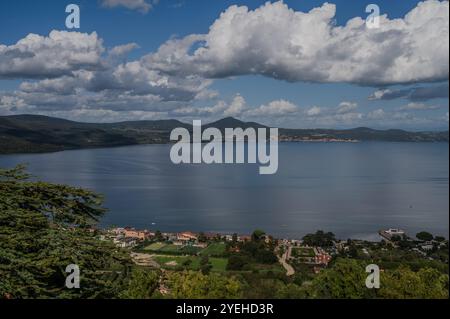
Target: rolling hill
(35,133)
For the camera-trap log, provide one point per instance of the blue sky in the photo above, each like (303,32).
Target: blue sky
(296,98)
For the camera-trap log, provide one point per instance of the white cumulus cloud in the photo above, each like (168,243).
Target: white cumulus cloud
(276,41)
(346,107)
(314,111)
(274,108)
(57,54)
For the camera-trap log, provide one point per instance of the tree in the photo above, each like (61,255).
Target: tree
(202,238)
(195,285)
(237,262)
(291,291)
(439,239)
(405,244)
(206,269)
(260,287)
(205,266)
(251,247)
(353,251)
(403,283)
(158,236)
(265,256)
(424,236)
(204,260)
(346,280)
(320,238)
(141,285)
(258,235)
(46,227)
(187,263)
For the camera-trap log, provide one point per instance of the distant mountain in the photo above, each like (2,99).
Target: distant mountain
(30,133)
(368,134)
(158,125)
(35,133)
(231,122)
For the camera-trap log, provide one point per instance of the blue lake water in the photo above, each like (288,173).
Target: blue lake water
(352,189)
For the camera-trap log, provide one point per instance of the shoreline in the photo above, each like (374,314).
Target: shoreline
(169,143)
(372,237)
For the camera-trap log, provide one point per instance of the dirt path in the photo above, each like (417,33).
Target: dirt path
(144,260)
(290,271)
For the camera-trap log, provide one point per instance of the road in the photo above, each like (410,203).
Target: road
(290,271)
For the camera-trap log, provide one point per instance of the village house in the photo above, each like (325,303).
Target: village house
(169,236)
(211,236)
(137,234)
(427,246)
(391,233)
(321,256)
(244,238)
(187,236)
(341,245)
(118,231)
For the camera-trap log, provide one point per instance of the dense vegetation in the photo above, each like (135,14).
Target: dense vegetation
(244,255)
(320,238)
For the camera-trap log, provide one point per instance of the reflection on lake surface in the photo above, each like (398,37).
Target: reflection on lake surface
(351,189)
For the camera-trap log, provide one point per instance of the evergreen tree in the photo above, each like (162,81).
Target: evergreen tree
(44,228)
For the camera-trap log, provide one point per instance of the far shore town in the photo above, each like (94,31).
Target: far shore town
(166,250)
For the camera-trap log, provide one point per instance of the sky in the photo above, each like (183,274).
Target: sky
(292,63)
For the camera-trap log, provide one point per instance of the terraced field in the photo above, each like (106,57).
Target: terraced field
(161,248)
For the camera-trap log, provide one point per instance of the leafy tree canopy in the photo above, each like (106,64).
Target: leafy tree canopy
(45,227)
(425,236)
(195,285)
(258,234)
(346,280)
(320,238)
(142,284)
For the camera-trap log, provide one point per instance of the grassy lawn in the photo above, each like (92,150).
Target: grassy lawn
(172,249)
(189,250)
(302,252)
(218,264)
(179,260)
(216,249)
(155,246)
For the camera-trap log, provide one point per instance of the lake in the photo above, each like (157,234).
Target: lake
(351,189)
